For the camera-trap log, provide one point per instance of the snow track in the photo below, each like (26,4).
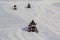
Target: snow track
(13,23)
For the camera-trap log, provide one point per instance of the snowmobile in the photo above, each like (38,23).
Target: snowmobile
(32,27)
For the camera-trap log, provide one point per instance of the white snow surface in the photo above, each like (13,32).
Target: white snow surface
(14,23)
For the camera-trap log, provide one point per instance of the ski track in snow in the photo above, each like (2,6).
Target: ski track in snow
(13,23)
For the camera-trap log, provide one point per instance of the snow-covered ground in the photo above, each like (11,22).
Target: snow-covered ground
(14,23)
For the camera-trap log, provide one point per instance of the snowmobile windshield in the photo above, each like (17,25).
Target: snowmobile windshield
(33,25)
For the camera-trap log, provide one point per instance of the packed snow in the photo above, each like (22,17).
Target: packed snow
(14,23)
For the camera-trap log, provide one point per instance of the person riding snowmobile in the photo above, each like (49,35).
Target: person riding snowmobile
(32,27)
(32,24)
